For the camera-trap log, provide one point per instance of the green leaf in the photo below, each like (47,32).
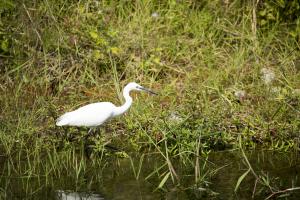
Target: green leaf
(263,22)
(241,179)
(270,16)
(262,12)
(115,50)
(94,35)
(96,55)
(4,45)
(163,181)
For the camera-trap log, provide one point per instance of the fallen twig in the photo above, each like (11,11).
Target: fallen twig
(282,191)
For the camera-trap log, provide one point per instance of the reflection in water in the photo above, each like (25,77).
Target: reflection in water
(116,179)
(69,195)
(280,169)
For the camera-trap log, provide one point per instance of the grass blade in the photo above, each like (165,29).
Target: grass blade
(163,181)
(240,180)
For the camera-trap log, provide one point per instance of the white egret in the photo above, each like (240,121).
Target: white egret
(95,114)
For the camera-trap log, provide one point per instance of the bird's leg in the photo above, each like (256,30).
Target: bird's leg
(90,131)
(93,131)
(110,147)
(86,143)
(66,132)
(97,130)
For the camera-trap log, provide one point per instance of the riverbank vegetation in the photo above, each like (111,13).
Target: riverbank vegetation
(227,73)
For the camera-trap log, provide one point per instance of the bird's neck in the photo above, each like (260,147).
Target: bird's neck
(128,101)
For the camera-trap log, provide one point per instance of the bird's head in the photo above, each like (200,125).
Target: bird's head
(135,86)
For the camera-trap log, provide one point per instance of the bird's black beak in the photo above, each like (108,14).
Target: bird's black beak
(148,90)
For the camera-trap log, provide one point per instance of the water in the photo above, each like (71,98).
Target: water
(115,179)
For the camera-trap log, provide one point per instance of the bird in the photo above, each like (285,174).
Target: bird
(95,114)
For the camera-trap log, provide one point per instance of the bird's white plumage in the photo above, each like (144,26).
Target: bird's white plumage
(95,114)
(91,115)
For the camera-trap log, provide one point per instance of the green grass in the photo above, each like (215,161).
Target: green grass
(61,55)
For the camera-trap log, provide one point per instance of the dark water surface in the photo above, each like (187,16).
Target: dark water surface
(116,180)
(281,169)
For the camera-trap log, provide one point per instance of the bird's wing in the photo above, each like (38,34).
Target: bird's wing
(90,115)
